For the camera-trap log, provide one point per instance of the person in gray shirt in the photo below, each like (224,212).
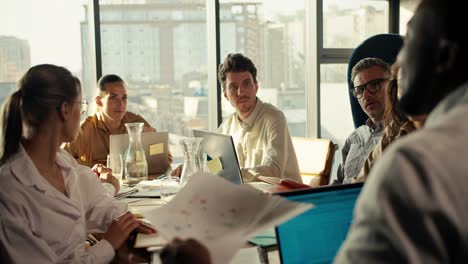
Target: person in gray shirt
(369,76)
(414,207)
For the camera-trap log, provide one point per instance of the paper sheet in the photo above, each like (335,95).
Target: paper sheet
(150,240)
(147,189)
(246,256)
(220,214)
(214,165)
(156,149)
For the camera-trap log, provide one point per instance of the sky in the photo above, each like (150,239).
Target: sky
(52,28)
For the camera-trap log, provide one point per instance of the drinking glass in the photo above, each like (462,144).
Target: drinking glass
(136,166)
(115,162)
(169,188)
(192,162)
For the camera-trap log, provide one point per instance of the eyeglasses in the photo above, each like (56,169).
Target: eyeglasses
(84,106)
(371,86)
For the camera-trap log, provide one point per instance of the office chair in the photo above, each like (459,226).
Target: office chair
(382,46)
(315,159)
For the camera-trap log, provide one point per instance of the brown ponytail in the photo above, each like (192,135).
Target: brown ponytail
(41,90)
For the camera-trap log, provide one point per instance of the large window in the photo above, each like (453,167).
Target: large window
(406,12)
(162,49)
(33,32)
(335,108)
(272,34)
(348,23)
(159,48)
(345,25)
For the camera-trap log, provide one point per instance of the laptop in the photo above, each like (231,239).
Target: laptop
(316,235)
(220,146)
(155,145)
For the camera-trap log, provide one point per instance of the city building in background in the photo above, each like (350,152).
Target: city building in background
(160,48)
(15,60)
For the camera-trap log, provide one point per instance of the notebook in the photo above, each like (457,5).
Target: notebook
(316,235)
(221,155)
(155,145)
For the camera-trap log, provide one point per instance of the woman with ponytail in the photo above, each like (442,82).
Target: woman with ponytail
(48,202)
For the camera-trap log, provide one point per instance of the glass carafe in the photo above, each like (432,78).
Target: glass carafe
(136,167)
(192,162)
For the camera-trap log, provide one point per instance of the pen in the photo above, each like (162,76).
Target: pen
(144,196)
(160,177)
(125,194)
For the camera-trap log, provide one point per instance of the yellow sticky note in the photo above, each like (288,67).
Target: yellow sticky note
(136,213)
(214,165)
(156,149)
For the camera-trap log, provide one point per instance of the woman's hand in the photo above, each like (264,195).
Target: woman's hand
(99,169)
(109,178)
(145,228)
(105,175)
(120,229)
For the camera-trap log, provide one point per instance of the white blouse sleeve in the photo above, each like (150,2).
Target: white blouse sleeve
(101,207)
(20,245)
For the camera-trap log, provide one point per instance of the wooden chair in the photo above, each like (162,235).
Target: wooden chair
(315,158)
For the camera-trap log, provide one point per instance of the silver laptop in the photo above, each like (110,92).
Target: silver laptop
(155,145)
(221,146)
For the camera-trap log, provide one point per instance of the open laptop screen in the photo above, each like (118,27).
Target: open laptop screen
(316,235)
(221,146)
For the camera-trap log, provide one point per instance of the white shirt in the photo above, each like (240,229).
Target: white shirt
(414,205)
(39,224)
(263,143)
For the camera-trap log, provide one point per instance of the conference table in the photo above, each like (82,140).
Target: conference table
(248,254)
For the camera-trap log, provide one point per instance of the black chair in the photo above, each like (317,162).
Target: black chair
(382,46)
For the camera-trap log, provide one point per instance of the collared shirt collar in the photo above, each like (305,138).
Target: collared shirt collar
(250,121)
(26,172)
(377,126)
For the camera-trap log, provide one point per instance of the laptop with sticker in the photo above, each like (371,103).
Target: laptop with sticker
(221,155)
(155,145)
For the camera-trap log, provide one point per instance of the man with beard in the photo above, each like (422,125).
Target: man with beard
(413,208)
(259,130)
(369,76)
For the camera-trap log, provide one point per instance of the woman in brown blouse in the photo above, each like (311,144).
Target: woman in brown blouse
(92,145)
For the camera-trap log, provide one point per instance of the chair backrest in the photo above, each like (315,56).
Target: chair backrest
(315,158)
(382,46)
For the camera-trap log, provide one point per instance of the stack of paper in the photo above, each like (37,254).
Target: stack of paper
(220,214)
(148,189)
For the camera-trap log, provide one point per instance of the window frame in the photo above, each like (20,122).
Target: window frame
(340,55)
(315,56)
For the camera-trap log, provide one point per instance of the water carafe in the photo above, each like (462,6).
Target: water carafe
(136,167)
(192,163)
